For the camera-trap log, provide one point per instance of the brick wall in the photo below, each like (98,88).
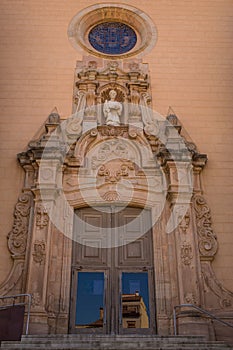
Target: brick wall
(191,69)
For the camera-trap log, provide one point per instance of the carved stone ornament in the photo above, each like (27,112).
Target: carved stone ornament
(207,239)
(39,252)
(116,176)
(186,253)
(111,149)
(111,196)
(184,223)
(42,218)
(151,125)
(73,127)
(114,132)
(190,298)
(17,237)
(223,295)
(36,299)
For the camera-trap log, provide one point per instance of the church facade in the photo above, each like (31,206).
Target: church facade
(113,226)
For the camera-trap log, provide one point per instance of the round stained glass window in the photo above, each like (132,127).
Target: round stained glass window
(113,38)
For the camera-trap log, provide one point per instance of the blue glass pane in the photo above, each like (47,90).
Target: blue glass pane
(90,297)
(112,38)
(135,300)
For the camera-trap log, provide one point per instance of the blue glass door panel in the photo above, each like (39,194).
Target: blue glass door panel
(90,300)
(135,311)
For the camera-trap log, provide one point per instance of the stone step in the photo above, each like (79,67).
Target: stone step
(119,342)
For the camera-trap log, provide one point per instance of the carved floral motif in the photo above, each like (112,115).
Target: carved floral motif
(36,299)
(190,298)
(92,65)
(207,239)
(39,252)
(17,237)
(186,253)
(134,66)
(42,218)
(113,65)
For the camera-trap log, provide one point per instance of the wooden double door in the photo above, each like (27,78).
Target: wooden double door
(112,289)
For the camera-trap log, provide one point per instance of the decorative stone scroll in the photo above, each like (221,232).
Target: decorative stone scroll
(17,237)
(207,239)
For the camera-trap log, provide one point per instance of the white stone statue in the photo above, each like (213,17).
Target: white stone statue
(112,109)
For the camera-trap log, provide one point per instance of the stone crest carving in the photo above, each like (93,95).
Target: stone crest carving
(115,176)
(17,237)
(207,239)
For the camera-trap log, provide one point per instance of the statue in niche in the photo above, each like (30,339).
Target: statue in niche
(112,109)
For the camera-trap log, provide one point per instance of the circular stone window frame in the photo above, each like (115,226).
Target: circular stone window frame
(82,23)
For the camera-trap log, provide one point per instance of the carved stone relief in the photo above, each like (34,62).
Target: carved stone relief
(190,298)
(94,83)
(110,196)
(113,177)
(36,299)
(42,218)
(214,290)
(39,252)
(184,223)
(186,253)
(207,239)
(17,238)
